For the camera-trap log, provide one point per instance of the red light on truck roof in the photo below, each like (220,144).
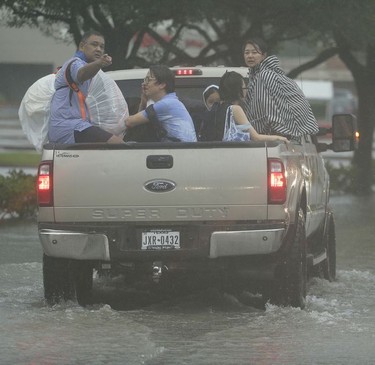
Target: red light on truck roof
(187,72)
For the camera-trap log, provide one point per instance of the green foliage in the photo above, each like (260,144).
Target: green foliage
(19,158)
(17,195)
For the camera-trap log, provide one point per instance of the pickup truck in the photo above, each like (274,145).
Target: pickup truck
(249,215)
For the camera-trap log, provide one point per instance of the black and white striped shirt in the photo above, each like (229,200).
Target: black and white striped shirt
(275,104)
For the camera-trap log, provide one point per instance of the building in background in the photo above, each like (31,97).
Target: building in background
(26,55)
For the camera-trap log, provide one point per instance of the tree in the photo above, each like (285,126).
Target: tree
(347,26)
(125,23)
(122,22)
(341,27)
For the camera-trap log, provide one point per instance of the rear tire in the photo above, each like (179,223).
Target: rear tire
(290,285)
(83,281)
(329,264)
(66,279)
(58,284)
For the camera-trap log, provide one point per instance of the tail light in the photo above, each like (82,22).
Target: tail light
(45,185)
(276,182)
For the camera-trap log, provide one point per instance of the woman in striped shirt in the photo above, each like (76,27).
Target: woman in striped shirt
(274,103)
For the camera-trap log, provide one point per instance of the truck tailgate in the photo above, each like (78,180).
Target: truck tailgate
(121,185)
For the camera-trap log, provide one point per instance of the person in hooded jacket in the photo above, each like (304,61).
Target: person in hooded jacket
(274,103)
(210,96)
(211,99)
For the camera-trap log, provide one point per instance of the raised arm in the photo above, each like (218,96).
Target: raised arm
(91,69)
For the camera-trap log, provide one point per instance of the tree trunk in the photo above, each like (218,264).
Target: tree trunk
(364,77)
(366,117)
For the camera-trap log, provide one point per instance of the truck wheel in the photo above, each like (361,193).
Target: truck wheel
(57,280)
(296,268)
(290,285)
(329,264)
(82,272)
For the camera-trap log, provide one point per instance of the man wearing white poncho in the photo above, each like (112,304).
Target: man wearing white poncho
(74,115)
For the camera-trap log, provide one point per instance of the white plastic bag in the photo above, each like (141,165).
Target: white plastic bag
(34,110)
(106,104)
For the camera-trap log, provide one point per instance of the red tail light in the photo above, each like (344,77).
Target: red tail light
(45,184)
(276,182)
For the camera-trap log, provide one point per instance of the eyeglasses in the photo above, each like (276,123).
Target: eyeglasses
(147,79)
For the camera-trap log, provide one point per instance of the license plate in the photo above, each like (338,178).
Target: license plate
(160,240)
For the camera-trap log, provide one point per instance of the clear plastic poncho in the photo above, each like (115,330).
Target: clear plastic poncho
(106,105)
(34,110)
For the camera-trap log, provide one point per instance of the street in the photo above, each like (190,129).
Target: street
(201,327)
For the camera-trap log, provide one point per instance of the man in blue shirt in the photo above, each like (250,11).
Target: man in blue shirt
(69,118)
(159,86)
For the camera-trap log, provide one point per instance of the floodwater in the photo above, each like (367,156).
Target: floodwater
(202,327)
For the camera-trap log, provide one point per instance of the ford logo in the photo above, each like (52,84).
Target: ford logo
(159,186)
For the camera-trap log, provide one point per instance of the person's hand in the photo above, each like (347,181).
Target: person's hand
(284,139)
(115,139)
(275,137)
(143,93)
(106,60)
(144,99)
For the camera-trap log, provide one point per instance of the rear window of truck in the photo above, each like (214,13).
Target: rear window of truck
(188,90)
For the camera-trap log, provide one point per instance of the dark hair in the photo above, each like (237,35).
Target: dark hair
(259,44)
(230,88)
(163,74)
(89,33)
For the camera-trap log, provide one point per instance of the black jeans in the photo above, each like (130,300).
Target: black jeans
(92,134)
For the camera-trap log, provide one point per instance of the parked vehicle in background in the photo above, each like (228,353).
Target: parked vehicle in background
(344,102)
(327,100)
(244,215)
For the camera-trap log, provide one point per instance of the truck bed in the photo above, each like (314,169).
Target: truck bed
(159,182)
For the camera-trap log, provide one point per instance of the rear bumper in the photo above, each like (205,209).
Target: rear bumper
(219,244)
(74,245)
(244,243)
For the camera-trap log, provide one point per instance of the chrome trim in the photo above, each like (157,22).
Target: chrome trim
(240,243)
(74,245)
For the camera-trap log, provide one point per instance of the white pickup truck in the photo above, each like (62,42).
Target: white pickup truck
(249,215)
